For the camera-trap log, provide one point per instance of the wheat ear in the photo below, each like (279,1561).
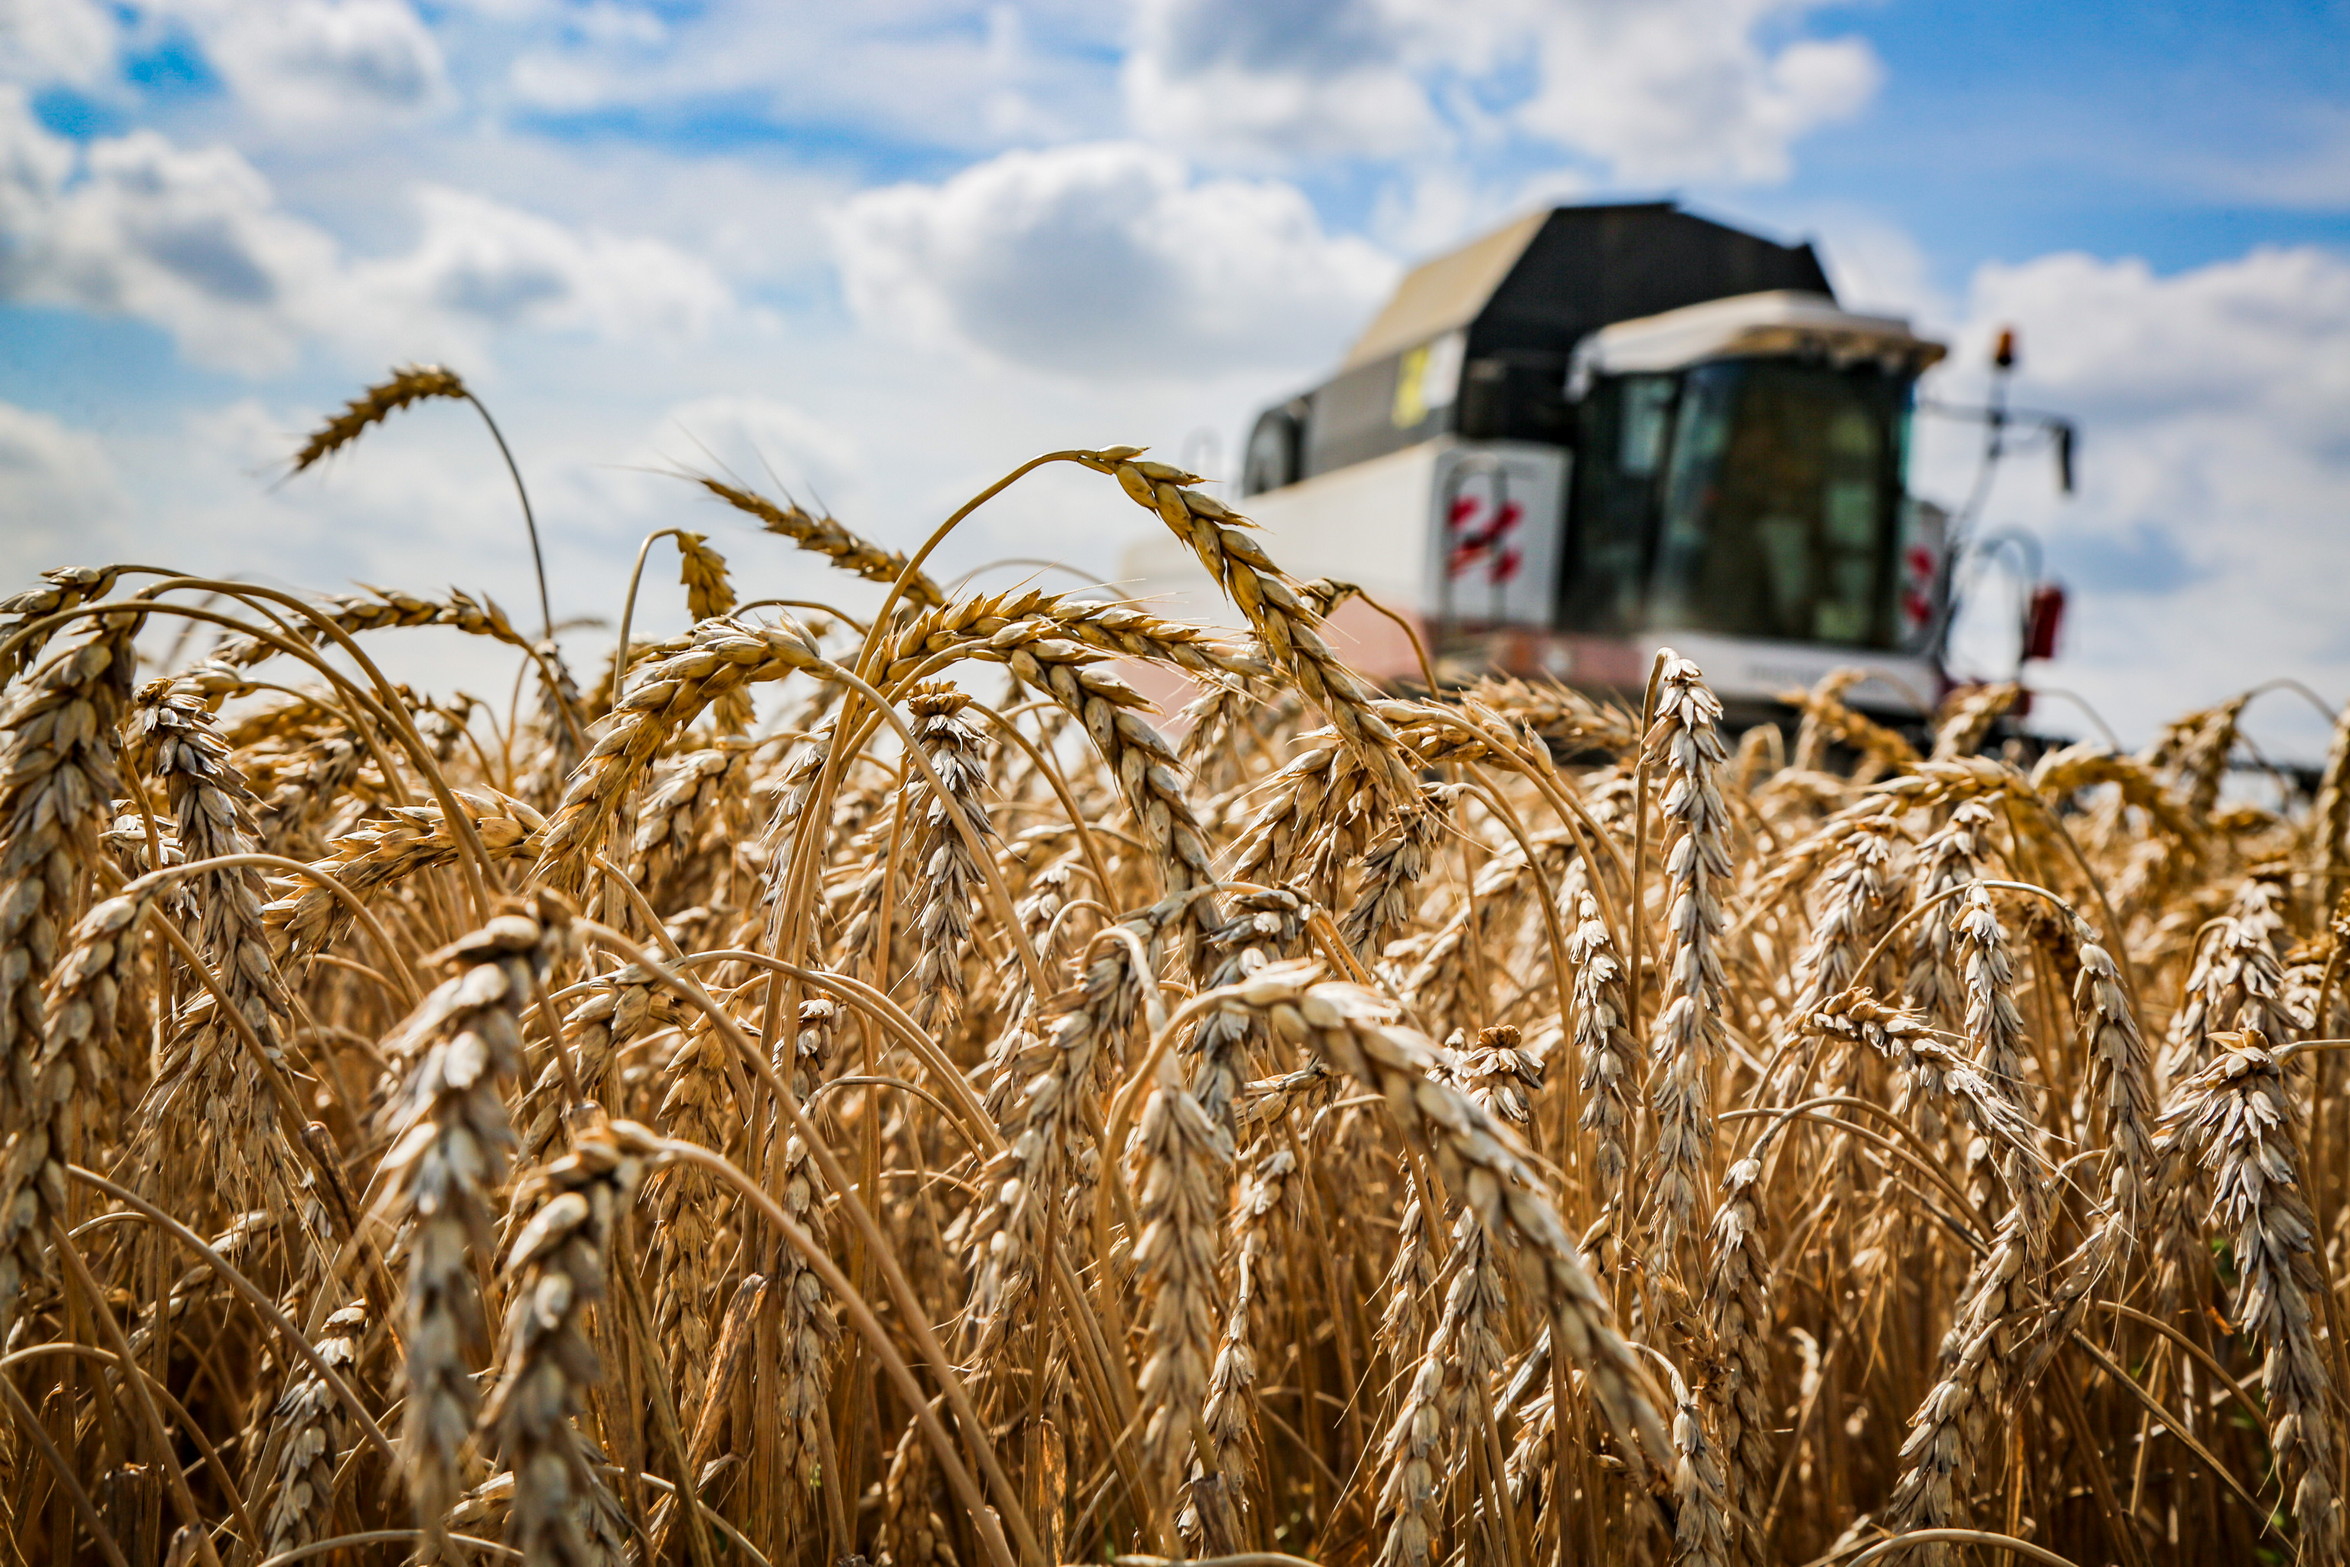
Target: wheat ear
(1183,1154)
(68,587)
(827,538)
(1480,1163)
(450,1140)
(805,1335)
(1038,1168)
(1605,1051)
(308,1431)
(407,384)
(564,1515)
(2235,1115)
(57,776)
(1968,716)
(1450,1379)
(1686,742)
(381,609)
(1282,620)
(1736,1305)
(1392,870)
(949,879)
(1229,1420)
(718,656)
(377,855)
(205,1070)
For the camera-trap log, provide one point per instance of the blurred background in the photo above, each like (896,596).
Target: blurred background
(874,254)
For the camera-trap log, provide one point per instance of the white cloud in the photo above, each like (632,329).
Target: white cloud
(133,225)
(481,266)
(195,241)
(1107,259)
(2207,546)
(44,41)
(1652,89)
(1257,76)
(935,73)
(60,502)
(309,63)
(1685,89)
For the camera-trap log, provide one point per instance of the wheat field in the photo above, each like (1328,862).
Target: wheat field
(840,1087)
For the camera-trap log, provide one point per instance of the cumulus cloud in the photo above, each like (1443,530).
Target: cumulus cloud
(44,41)
(1653,90)
(1303,79)
(193,240)
(1686,89)
(484,265)
(2206,547)
(1107,258)
(59,497)
(934,73)
(134,225)
(309,63)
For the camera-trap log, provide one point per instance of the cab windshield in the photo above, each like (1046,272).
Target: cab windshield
(1748,497)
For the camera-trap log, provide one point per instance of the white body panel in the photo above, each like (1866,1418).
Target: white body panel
(1368,524)
(1446,529)
(1495,524)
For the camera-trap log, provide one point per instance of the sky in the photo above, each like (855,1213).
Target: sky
(876,254)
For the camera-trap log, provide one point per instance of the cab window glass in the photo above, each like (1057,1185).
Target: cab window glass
(1625,430)
(1779,502)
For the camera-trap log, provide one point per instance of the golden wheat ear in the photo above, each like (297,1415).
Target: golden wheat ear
(416,384)
(407,384)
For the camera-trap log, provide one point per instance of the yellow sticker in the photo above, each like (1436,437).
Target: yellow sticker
(1411,388)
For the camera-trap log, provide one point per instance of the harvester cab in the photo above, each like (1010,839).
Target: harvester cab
(1606,428)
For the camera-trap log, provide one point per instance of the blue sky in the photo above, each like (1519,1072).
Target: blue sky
(883,251)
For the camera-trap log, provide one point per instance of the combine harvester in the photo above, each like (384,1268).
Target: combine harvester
(1603,429)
